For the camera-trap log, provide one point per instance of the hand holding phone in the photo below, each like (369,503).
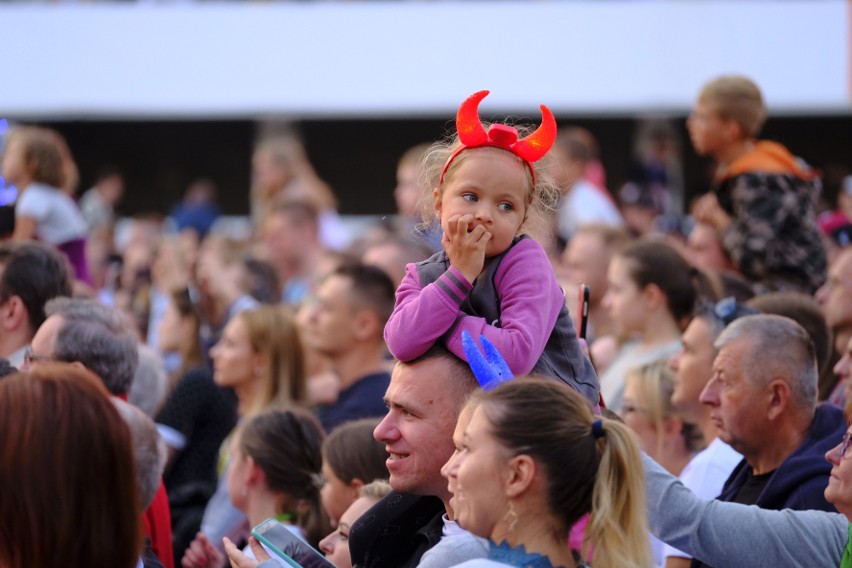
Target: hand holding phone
(289,547)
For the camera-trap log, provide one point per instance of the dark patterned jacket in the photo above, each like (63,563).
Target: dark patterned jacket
(773,238)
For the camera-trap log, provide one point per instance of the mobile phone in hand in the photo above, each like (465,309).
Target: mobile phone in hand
(289,547)
(582,310)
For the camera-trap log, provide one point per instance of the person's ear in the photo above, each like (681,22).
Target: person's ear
(520,475)
(436,196)
(255,475)
(354,488)
(779,398)
(673,427)
(366,324)
(654,295)
(734,130)
(12,313)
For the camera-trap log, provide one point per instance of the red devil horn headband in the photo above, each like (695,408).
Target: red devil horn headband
(472,134)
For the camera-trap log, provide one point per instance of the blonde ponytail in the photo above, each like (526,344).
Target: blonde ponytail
(618,526)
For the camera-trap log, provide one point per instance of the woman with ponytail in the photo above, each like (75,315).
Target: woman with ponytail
(276,464)
(521,479)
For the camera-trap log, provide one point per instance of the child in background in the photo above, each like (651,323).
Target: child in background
(351,458)
(336,544)
(34,162)
(762,202)
(490,279)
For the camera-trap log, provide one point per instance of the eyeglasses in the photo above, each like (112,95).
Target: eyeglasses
(728,310)
(30,357)
(845,442)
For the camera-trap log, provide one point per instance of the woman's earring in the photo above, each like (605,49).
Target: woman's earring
(511,517)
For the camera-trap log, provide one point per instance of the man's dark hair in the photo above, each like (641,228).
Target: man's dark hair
(371,287)
(36,273)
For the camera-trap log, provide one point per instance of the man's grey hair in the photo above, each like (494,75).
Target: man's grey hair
(98,337)
(150,382)
(149,450)
(780,348)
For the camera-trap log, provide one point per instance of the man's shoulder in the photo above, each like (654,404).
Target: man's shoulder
(396,531)
(800,480)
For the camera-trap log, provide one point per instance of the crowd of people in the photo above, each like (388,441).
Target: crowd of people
(168,386)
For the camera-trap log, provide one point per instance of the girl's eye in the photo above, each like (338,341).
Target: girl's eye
(506,207)
(469,197)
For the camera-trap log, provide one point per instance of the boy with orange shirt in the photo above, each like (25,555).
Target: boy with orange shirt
(762,201)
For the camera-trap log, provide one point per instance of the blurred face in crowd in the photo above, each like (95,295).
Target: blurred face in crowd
(171,333)
(708,131)
(238,475)
(407,193)
(336,545)
(705,249)
(624,300)
(635,413)
(268,174)
(587,258)
(843,370)
(234,361)
(336,494)
(692,367)
(13,169)
(835,296)
(330,325)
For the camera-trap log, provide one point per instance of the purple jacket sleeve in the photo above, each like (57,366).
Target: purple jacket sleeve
(530,300)
(423,314)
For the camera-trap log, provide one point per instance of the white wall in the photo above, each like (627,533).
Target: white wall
(400,59)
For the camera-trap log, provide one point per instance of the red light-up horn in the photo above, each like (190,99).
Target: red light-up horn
(470,129)
(536,145)
(472,134)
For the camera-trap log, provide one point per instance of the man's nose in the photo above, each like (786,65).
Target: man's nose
(385,431)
